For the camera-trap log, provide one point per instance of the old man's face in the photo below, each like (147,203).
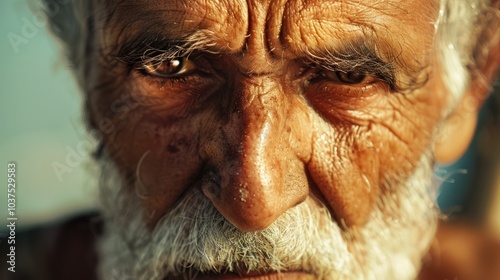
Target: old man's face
(280,139)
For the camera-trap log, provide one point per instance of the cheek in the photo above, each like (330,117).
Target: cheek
(155,149)
(134,117)
(160,159)
(367,148)
(167,163)
(403,130)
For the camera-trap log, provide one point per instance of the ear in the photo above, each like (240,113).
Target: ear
(459,128)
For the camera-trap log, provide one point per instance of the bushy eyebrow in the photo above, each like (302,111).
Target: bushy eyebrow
(356,55)
(151,45)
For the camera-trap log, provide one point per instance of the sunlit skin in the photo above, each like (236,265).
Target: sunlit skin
(258,112)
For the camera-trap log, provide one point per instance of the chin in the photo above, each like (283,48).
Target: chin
(194,241)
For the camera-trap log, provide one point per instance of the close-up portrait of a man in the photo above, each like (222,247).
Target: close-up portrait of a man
(276,139)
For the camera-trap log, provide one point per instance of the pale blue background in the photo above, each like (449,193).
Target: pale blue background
(40,116)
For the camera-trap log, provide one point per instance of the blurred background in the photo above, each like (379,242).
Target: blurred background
(40,122)
(42,132)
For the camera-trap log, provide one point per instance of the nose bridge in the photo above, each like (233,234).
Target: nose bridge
(253,191)
(263,110)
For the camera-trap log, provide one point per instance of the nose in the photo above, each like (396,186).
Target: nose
(257,156)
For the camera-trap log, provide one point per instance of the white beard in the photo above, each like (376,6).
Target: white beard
(195,238)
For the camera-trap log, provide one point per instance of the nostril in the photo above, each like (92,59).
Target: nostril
(211,184)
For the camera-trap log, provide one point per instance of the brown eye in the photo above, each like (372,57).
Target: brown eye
(351,77)
(170,68)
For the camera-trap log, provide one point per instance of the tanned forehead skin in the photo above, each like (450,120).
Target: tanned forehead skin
(284,28)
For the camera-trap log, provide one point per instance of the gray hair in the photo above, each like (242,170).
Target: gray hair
(71,21)
(455,37)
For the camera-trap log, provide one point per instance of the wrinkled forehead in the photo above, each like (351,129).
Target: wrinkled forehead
(286,26)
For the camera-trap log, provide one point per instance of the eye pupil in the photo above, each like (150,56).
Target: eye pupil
(171,66)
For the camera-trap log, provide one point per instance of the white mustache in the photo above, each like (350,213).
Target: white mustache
(195,238)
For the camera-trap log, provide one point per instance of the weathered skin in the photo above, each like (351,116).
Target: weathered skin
(257,128)
(258,120)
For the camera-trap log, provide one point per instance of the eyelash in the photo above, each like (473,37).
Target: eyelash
(318,75)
